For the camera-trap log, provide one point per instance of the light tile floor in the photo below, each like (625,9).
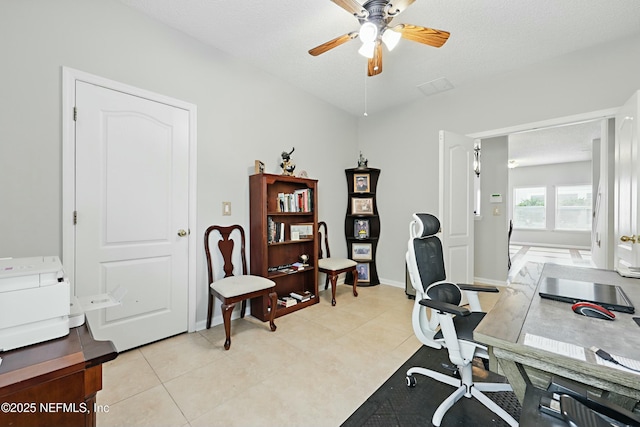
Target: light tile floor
(319,366)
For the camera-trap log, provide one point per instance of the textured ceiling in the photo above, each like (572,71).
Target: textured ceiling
(561,144)
(487,38)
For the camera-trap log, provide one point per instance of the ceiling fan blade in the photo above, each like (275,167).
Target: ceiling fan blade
(375,64)
(351,6)
(397,6)
(333,43)
(430,36)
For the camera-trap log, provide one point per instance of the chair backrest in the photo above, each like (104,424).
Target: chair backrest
(225,246)
(321,225)
(425,259)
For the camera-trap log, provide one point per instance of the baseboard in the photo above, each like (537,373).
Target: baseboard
(393,283)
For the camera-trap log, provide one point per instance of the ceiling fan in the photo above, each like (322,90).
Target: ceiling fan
(375,17)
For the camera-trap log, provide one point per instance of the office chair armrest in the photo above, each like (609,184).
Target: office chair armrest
(477,288)
(445,307)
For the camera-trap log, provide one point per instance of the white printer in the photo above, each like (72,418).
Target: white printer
(36,303)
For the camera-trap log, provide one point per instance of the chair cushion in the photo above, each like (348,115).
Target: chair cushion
(335,263)
(233,286)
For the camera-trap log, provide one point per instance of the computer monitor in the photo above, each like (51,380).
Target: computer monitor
(610,297)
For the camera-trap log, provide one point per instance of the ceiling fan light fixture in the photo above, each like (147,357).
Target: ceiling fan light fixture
(368,32)
(391,38)
(367,49)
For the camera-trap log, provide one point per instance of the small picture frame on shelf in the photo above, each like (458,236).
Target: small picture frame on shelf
(361,183)
(362,206)
(302,230)
(361,228)
(361,251)
(363,271)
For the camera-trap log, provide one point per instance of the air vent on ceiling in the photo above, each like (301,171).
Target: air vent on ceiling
(435,86)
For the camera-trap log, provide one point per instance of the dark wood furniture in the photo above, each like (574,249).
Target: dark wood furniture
(270,257)
(54,383)
(362,213)
(232,289)
(334,267)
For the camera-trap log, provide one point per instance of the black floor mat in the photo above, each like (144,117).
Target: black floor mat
(395,404)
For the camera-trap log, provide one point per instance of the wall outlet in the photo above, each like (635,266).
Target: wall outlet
(226,208)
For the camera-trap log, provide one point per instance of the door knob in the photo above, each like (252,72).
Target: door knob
(631,239)
(182,233)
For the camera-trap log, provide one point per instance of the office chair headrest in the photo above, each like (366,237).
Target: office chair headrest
(426,224)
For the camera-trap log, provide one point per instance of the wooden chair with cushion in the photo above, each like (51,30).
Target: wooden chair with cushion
(236,285)
(333,267)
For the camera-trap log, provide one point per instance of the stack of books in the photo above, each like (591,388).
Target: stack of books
(301,296)
(287,301)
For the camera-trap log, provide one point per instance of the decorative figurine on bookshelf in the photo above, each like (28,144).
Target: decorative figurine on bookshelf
(362,162)
(304,258)
(287,165)
(258,166)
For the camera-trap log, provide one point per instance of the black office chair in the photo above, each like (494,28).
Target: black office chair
(449,325)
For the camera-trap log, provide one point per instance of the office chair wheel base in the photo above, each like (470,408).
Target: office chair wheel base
(411,381)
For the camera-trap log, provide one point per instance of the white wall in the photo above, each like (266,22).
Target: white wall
(243,114)
(403,142)
(491,230)
(550,177)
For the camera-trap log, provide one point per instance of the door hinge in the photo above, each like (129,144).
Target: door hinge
(75,217)
(75,114)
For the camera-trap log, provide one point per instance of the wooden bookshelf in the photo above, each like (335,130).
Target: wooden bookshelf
(268,253)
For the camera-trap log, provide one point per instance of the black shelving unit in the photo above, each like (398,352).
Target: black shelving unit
(362,223)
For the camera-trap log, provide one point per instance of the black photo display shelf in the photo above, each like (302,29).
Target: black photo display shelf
(362,223)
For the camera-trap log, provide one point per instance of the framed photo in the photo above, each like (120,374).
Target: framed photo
(361,182)
(302,231)
(361,228)
(363,271)
(362,206)
(361,251)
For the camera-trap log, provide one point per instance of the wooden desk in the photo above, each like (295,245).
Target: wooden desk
(520,310)
(53,383)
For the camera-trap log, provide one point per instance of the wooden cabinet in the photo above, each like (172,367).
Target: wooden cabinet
(284,226)
(362,223)
(54,383)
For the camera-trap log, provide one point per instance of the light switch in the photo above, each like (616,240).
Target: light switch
(496,211)
(226,208)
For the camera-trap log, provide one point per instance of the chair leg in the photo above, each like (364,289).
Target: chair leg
(209,310)
(355,282)
(334,283)
(490,404)
(226,316)
(272,315)
(243,309)
(326,282)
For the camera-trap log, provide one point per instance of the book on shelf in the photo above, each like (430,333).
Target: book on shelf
(299,201)
(301,296)
(287,301)
(298,266)
(275,231)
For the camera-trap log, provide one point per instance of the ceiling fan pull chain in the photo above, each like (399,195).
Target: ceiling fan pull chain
(365,95)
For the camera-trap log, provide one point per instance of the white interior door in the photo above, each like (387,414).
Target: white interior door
(132,203)
(626,211)
(456,205)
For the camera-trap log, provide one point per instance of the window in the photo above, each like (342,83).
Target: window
(573,207)
(529,207)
